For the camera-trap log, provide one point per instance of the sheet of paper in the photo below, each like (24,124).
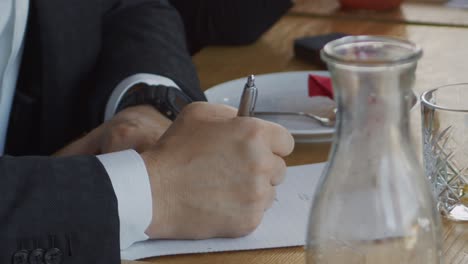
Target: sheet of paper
(284,225)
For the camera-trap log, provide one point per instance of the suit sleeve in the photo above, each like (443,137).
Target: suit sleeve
(56,209)
(143,36)
(228,22)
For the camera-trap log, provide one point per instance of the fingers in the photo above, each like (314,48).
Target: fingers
(279,138)
(278,171)
(276,136)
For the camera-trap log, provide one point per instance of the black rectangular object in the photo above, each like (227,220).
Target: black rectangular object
(308,48)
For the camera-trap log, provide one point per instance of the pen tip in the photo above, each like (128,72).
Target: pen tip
(251,80)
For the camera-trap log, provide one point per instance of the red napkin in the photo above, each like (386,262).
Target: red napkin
(320,86)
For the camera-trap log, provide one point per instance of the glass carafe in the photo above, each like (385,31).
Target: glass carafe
(373,204)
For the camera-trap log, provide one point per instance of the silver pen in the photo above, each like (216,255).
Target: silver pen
(248,98)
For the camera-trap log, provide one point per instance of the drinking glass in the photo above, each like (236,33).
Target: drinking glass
(445,135)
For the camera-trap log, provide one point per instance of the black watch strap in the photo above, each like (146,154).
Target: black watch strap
(168,100)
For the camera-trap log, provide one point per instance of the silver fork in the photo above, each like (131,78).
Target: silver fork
(324,121)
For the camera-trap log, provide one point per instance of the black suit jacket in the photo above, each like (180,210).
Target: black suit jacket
(57,204)
(76,52)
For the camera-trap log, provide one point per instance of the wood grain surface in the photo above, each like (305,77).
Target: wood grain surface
(445,61)
(422,12)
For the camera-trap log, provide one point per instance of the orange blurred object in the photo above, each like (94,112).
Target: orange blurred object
(370,4)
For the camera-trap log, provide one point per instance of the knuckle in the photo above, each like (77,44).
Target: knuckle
(281,163)
(123,130)
(278,178)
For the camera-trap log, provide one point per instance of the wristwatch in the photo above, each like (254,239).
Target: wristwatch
(168,100)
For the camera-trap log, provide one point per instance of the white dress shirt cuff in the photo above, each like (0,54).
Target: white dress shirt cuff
(122,88)
(129,177)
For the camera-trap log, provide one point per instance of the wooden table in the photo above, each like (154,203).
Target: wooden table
(445,61)
(416,12)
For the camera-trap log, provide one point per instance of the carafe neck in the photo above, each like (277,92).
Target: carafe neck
(374,102)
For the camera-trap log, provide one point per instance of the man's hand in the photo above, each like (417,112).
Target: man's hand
(213,174)
(138,128)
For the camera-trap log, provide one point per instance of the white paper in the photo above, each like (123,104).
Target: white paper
(284,225)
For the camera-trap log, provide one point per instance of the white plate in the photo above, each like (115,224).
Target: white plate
(286,91)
